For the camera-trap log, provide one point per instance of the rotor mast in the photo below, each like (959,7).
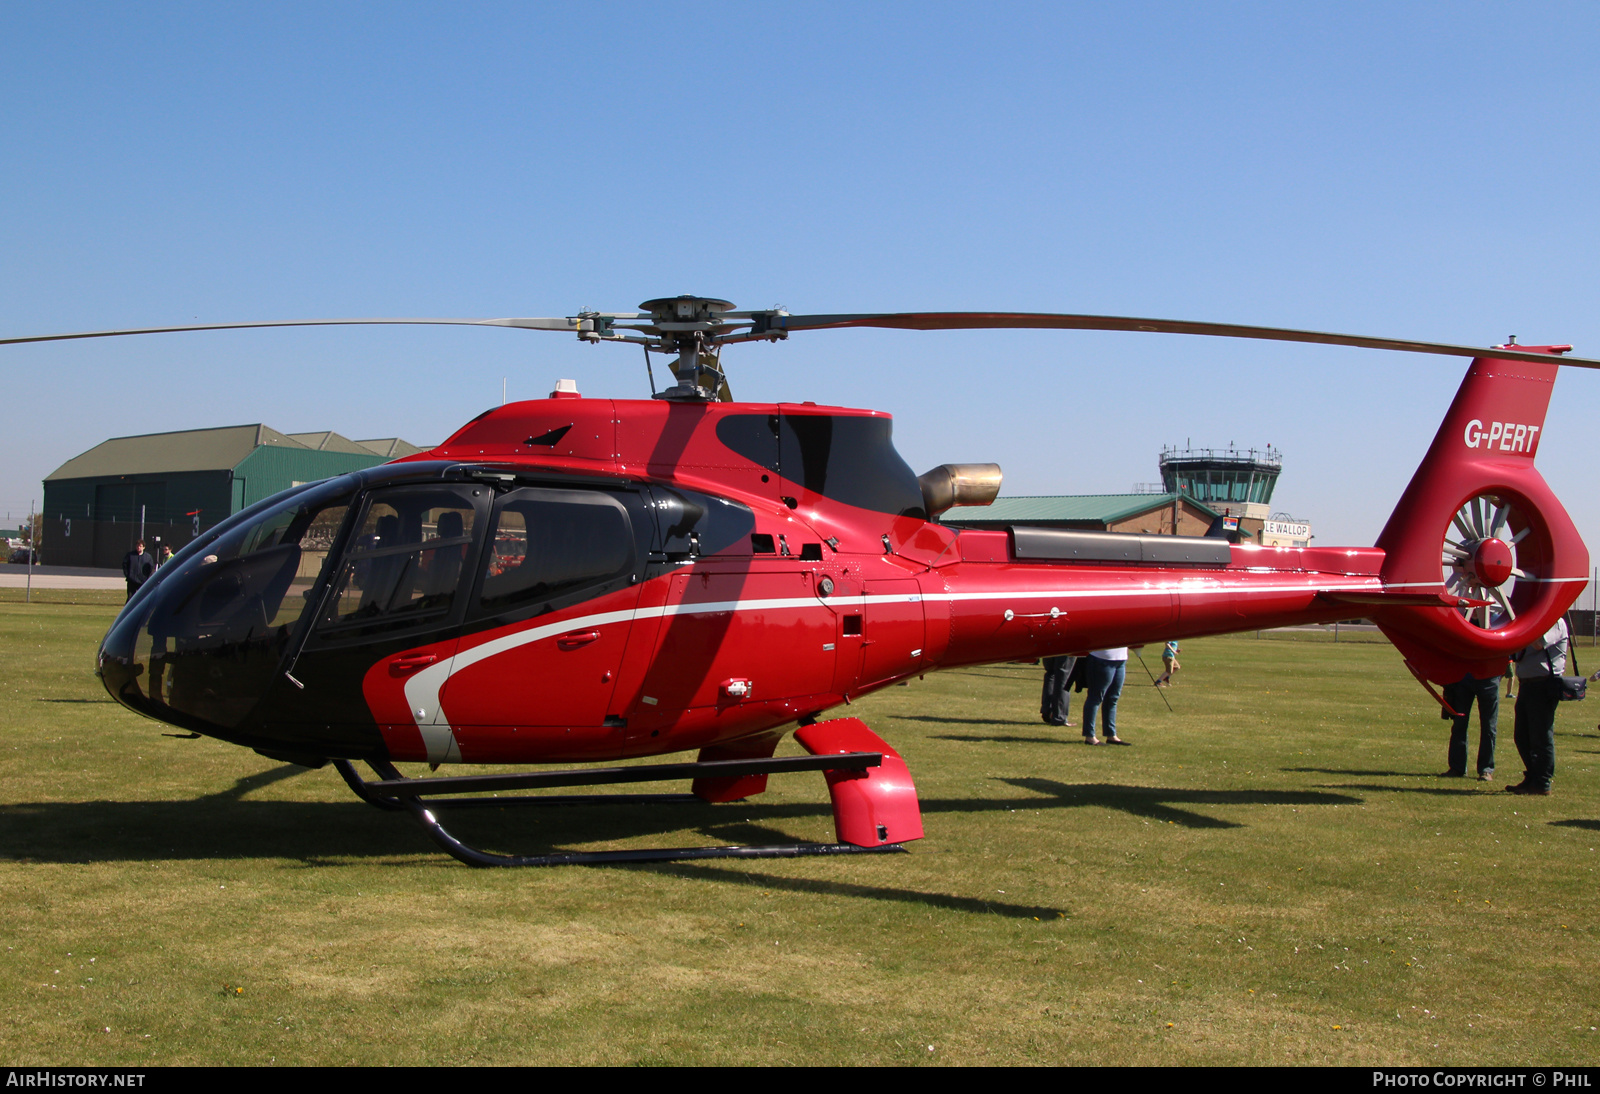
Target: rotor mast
(691,328)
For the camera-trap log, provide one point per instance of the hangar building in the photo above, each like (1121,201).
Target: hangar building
(173,486)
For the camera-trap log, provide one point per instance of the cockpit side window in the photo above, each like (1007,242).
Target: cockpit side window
(551,544)
(405,561)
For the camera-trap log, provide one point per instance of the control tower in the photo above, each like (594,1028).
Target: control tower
(1237,481)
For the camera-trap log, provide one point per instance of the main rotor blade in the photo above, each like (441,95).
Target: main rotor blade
(900,321)
(956,320)
(525,324)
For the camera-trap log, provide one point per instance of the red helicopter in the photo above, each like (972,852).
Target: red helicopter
(573,580)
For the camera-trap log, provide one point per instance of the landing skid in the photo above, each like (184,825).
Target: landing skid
(395,791)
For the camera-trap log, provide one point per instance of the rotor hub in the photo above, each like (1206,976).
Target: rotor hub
(1492,562)
(689,326)
(1483,566)
(687,309)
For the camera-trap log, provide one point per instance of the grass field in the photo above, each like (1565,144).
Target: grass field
(1273,874)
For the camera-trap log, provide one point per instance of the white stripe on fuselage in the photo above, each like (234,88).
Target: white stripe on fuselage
(1440,584)
(423,689)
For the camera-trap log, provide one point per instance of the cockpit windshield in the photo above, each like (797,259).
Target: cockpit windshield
(245,586)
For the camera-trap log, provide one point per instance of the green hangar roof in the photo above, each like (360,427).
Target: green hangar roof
(172,486)
(330,441)
(390,448)
(165,453)
(221,449)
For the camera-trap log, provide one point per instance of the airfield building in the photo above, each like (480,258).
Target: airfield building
(1198,485)
(1152,514)
(173,486)
(1235,481)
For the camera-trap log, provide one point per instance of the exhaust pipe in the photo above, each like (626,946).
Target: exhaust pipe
(959,484)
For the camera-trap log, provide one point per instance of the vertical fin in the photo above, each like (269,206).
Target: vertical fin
(1485,449)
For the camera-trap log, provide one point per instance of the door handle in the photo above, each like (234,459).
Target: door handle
(405,666)
(576,641)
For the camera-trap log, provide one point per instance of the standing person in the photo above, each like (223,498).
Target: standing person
(1055,703)
(1169,664)
(1539,668)
(1107,670)
(164,556)
(137,568)
(1460,696)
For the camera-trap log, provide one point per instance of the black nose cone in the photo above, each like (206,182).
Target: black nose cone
(121,677)
(124,662)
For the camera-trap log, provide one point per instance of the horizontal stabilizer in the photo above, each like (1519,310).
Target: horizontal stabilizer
(1421,600)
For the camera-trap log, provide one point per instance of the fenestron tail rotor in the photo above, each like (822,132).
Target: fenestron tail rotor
(694,329)
(1481,559)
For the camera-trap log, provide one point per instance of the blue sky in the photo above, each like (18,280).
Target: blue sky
(1407,170)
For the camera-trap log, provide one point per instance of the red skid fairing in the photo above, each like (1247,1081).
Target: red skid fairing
(873,806)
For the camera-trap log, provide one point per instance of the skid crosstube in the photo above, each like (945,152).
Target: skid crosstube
(394,791)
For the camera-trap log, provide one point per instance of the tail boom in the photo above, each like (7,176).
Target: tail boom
(1000,610)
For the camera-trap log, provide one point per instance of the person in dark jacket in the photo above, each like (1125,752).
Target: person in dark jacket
(137,566)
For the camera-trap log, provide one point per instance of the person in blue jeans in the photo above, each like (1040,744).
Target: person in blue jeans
(1107,670)
(1460,697)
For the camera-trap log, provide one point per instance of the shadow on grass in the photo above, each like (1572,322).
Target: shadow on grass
(931,719)
(246,783)
(1461,786)
(849,889)
(106,700)
(1159,803)
(1577,822)
(1358,771)
(227,825)
(1076,739)
(986,675)
(1446,785)
(1439,792)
